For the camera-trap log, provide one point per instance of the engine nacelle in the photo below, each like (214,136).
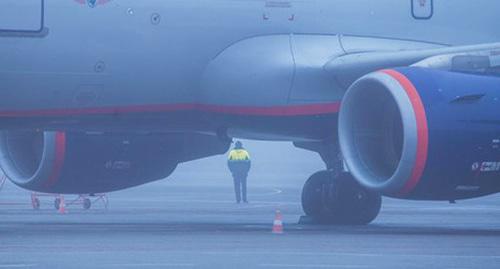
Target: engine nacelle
(420,133)
(58,162)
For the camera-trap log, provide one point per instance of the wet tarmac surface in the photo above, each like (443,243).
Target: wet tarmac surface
(191,221)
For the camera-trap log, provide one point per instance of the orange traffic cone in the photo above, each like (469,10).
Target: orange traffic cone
(278,223)
(62,205)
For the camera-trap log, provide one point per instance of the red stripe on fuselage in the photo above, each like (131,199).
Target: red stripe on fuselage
(57,166)
(291,110)
(422,131)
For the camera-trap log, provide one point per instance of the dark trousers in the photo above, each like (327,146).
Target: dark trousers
(240,187)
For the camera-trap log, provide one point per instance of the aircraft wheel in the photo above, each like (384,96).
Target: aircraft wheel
(340,200)
(312,201)
(87,203)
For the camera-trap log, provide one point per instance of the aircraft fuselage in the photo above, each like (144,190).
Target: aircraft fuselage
(249,68)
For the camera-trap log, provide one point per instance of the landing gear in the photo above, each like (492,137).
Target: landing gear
(330,198)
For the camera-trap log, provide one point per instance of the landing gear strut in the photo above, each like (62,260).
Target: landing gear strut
(336,198)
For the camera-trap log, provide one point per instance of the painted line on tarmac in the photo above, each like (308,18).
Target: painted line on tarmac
(274,191)
(221,202)
(278,265)
(142,265)
(332,254)
(217,201)
(440,208)
(19,265)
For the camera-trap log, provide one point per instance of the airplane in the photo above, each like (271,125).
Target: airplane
(400,98)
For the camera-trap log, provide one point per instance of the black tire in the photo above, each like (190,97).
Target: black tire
(57,203)
(339,200)
(355,204)
(87,203)
(312,198)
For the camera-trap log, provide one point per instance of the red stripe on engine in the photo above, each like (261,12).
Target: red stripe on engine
(422,131)
(57,167)
(291,110)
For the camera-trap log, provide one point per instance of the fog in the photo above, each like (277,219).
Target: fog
(273,163)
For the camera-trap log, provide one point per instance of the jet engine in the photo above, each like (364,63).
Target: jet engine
(420,133)
(68,162)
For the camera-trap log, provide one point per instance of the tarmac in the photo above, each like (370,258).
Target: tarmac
(191,221)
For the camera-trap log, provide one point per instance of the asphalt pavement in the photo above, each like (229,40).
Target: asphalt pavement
(191,221)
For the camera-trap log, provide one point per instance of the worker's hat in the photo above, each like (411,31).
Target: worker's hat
(238,145)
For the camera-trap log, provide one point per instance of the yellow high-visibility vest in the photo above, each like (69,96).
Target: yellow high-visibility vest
(239,155)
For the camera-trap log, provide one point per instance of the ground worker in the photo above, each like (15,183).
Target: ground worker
(239,164)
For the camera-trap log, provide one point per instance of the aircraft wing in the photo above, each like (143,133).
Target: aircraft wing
(348,68)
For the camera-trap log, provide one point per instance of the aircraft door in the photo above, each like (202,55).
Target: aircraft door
(422,9)
(21,16)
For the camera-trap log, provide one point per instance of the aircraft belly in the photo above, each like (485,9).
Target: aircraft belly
(246,89)
(253,72)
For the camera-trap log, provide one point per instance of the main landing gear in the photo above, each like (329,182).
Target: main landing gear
(333,196)
(336,198)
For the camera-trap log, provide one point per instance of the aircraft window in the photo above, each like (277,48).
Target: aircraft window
(422,9)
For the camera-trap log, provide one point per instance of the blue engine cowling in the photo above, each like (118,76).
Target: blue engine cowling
(420,133)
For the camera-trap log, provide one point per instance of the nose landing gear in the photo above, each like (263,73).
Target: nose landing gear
(328,198)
